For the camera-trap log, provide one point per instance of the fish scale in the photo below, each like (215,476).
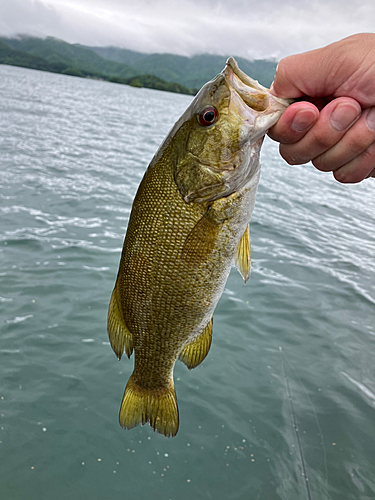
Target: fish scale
(188,227)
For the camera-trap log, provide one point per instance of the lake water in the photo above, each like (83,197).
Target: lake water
(288,388)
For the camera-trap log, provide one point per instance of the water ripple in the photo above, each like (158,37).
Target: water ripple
(73,152)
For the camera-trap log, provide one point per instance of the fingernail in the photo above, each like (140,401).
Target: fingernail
(370,119)
(303,120)
(344,115)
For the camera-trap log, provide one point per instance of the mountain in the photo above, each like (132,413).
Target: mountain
(77,56)
(192,71)
(124,56)
(51,54)
(162,71)
(18,58)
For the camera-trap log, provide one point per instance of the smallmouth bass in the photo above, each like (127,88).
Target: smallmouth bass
(188,226)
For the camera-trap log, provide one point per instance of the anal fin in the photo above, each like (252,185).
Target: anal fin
(194,353)
(119,336)
(243,255)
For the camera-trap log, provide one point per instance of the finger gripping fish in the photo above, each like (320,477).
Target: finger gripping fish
(188,226)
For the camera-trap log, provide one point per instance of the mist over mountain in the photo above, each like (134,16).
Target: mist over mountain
(192,71)
(163,71)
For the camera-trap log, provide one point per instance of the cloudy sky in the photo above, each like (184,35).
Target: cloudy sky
(252,29)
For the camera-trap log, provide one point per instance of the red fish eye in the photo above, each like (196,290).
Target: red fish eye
(207,116)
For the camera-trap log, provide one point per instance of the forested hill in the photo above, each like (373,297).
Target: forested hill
(162,71)
(192,71)
(18,58)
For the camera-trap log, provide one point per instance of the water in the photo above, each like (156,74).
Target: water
(73,152)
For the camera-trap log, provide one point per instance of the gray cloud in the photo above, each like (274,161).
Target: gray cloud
(25,16)
(249,28)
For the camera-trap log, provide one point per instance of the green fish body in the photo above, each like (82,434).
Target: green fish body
(188,227)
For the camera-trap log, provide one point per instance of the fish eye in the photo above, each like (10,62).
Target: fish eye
(207,116)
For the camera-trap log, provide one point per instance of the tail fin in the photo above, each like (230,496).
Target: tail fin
(158,407)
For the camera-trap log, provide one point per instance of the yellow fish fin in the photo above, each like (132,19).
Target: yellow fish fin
(194,353)
(119,336)
(201,239)
(158,407)
(243,255)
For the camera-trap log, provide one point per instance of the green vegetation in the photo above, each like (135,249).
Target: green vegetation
(158,71)
(17,58)
(153,82)
(77,56)
(57,56)
(192,71)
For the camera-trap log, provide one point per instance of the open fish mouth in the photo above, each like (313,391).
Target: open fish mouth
(254,95)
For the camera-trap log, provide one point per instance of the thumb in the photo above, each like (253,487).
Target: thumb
(306,74)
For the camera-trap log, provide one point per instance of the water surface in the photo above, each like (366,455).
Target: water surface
(289,385)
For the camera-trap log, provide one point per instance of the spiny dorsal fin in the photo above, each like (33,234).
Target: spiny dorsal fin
(119,336)
(158,407)
(243,255)
(201,239)
(194,353)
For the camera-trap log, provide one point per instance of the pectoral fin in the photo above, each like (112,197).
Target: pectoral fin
(201,239)
(243,255)
(194,353)
(119,336)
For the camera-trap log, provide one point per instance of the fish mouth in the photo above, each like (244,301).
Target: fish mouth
(254,95)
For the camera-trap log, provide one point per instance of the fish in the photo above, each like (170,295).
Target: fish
(189,225)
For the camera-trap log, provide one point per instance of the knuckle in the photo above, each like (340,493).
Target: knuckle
(361,142)
(369,154)
(359,168)
(321,141)
(322,163)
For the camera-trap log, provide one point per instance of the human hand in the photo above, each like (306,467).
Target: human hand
(336,129)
